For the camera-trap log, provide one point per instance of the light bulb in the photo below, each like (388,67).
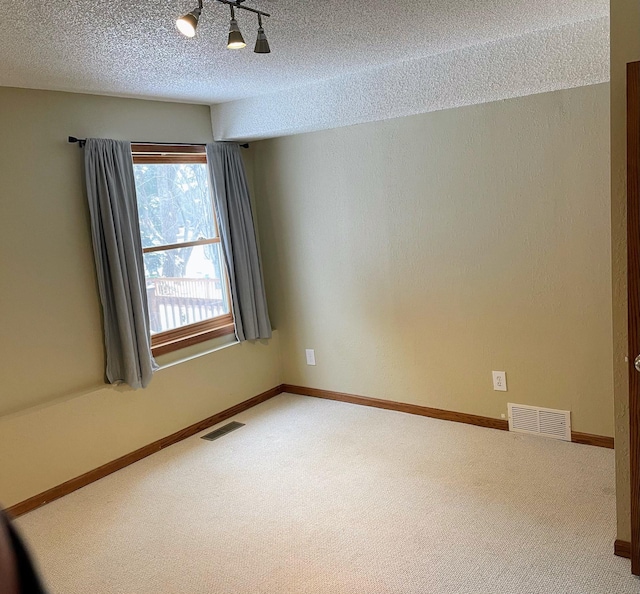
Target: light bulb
(187,24)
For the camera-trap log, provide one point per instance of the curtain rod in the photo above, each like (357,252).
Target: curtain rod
(82,141)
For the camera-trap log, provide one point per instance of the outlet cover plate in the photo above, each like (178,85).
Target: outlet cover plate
(499,381)
(311,356)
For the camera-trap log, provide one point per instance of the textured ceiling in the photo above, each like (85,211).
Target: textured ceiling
(122,47)
(573,55)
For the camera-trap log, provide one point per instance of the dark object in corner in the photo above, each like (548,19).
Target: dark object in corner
(17,572)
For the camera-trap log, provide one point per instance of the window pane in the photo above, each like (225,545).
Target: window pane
(184,286)
(174,203)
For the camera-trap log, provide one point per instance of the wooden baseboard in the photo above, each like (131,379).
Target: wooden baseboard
(110,467)
(435,413)
(595,440)
(414,409)
(622,548)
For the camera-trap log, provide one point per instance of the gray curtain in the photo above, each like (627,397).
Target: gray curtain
(239,244)
(117,248)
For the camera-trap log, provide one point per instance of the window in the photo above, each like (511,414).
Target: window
(187,286)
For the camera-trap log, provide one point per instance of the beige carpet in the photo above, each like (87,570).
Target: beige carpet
(318,496)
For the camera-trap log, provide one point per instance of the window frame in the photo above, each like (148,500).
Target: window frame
(189,334)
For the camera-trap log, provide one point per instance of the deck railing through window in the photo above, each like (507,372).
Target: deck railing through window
(175,302)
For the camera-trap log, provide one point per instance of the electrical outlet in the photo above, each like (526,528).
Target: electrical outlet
(311,356)
(503,416)
(499,381)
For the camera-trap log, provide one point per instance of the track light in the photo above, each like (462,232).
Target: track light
(262,45)
(187,24)
(236,41)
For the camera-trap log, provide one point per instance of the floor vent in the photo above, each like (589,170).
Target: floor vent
(228,428)
(534,420)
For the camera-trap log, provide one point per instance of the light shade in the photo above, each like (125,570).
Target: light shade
(262,45)
(236,41)
(187,24)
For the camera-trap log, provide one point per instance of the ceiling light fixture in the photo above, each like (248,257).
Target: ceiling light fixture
(188,23)
(262,45)
(236,41)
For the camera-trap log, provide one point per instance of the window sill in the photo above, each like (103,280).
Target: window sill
(196,351)
(173,344)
